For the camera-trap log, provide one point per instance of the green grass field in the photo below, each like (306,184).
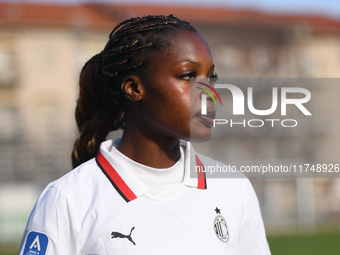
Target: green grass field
(316,244)
(9,250)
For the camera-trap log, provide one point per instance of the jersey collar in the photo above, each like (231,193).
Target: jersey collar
(130,187)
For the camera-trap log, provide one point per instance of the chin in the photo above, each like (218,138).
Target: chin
(200,131)
(201,136)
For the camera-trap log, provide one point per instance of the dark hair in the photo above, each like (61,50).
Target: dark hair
(100,107)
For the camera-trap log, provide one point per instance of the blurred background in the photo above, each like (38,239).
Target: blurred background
(44,44)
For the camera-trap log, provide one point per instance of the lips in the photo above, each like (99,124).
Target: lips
(207,120)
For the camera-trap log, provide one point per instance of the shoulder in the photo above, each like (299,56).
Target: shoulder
(86,176)
(59,212)
(74,194)
(70,190)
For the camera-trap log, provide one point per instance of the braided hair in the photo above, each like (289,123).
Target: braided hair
(100,108)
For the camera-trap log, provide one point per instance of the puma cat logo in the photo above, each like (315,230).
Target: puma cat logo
(120,235)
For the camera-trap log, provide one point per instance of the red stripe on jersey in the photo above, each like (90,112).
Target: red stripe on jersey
(115,178)
(201,182)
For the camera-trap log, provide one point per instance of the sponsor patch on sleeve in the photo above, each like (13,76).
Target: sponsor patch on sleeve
(36,243)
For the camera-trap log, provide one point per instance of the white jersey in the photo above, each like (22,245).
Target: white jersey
(103,208)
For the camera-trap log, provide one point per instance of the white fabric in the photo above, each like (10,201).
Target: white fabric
(80,211)
(152,177)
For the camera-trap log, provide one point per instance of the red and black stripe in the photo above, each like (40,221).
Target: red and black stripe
(117,181)
(201,180)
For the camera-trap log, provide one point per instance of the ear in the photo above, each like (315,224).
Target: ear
(132,88)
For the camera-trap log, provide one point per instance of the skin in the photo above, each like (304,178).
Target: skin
(158,113)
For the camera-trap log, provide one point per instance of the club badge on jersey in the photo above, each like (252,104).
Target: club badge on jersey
(36,243)
(220,226)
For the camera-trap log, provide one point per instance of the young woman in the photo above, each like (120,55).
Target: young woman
(135,195)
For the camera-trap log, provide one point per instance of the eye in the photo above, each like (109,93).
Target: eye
(188,76)
(213,78)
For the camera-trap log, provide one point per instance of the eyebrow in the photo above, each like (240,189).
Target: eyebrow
(195,63)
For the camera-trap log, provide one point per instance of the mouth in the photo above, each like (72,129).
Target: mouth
(208,119)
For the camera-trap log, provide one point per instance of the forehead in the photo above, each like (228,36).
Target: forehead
(186,46)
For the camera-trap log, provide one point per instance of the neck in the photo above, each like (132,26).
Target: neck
(153,151)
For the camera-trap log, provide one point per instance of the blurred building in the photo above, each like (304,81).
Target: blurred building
(43,48)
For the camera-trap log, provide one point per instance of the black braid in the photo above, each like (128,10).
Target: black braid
(141,32)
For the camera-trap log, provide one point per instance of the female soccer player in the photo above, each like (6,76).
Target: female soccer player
(135,195)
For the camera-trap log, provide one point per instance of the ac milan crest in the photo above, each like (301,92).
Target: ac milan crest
(220,226)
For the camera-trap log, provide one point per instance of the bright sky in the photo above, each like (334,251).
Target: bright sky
(324,7)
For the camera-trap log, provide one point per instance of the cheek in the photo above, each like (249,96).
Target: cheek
(177,98)
(180,108)
(177,119)
(169,106)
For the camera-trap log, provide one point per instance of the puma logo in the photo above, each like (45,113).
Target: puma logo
(120,235)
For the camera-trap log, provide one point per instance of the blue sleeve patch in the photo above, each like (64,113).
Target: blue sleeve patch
(36,244)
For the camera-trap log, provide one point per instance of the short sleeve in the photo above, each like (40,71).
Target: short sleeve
(252,236)
(51,228)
